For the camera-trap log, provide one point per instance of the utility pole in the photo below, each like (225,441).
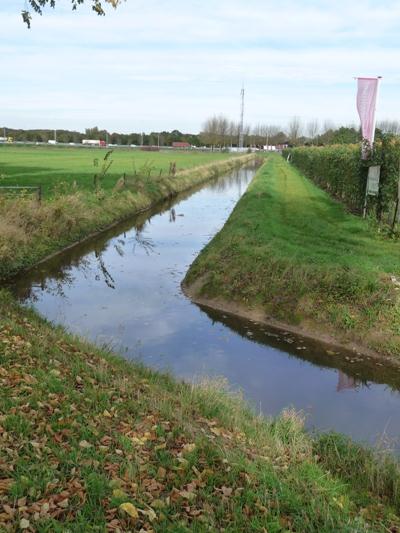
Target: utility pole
(241,126)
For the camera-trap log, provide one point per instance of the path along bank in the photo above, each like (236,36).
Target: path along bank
(30,232)
(291,256)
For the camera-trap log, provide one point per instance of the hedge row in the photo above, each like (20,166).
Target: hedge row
(340,170)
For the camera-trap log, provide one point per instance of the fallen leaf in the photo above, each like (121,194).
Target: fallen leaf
(63,504)
(24,524)
(226,491)
(188,448)
(129,509)
(119,493)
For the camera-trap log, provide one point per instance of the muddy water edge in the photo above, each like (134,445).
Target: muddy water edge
(122,289)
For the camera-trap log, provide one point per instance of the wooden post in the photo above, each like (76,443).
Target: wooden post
(365,202)
(396,211)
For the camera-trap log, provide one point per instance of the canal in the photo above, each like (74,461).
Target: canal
(122,289)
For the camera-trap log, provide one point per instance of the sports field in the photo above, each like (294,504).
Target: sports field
(49,165)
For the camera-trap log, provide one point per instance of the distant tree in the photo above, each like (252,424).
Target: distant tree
(209,132)
(268,131)
(38,5)
(389,126)
(312,129)
(92,133)
(233,132)
(345,135)
(294,129)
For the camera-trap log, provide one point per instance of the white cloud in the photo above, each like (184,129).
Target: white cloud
(147,66)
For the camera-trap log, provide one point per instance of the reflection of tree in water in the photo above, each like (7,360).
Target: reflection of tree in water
(143,242)
(56,284)
(172,215)
(109,280)
(238,178)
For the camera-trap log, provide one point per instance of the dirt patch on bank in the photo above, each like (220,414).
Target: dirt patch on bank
(307,330)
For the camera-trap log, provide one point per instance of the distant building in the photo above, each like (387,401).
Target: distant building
(181,144)
(275,147)
(94,142)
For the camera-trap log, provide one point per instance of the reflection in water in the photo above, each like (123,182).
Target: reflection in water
(108,279)
(346,382)
(123,289)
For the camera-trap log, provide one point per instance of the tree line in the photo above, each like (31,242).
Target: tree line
(220,132)
(217,132)
(162,138)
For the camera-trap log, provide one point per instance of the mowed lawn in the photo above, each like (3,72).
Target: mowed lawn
(49,165)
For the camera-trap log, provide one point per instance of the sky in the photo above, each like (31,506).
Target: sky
(152,65)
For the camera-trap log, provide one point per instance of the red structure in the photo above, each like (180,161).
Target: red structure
(180,144)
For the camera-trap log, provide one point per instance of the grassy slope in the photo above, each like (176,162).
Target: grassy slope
(29,232)
(83,432)
(48,166)
(292,251)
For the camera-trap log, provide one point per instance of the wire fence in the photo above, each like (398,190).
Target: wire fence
(20,190)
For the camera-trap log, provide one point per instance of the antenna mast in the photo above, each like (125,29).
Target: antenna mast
(241,134)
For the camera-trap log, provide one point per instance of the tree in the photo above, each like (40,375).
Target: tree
(312,129)
(294,129)
(38,5)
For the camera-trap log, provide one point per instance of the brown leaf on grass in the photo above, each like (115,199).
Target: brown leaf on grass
(188,448)
(5,485)
(226,491)
(161,472)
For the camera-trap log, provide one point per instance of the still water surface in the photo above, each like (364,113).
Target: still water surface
(123,289)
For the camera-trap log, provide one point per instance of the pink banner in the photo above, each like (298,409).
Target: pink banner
(366,104)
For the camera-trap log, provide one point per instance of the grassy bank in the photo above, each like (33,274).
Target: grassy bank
(296,255)
(89,442)
(340,171)
(49,166)
(29,231)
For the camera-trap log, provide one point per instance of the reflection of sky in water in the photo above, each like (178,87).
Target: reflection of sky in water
(146,316)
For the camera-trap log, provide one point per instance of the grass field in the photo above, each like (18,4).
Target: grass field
(49,165)
(91,443)
(29,231)
(292,251)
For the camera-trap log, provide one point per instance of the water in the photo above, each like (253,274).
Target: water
(122,289)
